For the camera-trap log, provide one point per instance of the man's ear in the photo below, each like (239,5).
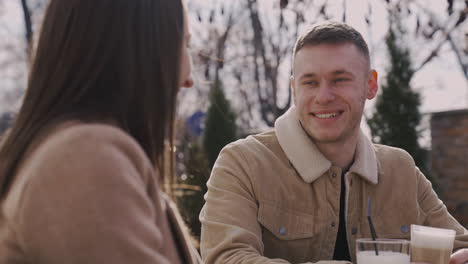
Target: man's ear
(372,85)
(293,87)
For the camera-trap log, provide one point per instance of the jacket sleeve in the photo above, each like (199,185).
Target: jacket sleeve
(231,233)
(436,212)
(88,203)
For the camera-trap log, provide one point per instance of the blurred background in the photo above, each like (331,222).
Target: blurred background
(242,53)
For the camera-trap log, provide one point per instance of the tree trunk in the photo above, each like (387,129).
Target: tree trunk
(269,66)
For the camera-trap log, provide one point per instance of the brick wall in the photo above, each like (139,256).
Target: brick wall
(449,156)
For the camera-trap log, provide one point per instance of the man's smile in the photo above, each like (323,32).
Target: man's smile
(327,115)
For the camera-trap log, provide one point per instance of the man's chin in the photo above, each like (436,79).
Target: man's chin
(318,135)
(324,137)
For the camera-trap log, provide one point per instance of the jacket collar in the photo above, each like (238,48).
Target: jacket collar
(181,235)
(309,161)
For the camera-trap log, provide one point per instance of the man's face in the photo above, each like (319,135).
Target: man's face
(331,83)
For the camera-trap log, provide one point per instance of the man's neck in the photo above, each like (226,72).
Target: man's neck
(341,154)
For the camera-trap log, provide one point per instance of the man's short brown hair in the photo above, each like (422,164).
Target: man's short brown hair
(331,32)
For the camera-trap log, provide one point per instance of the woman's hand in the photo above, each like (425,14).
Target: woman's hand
(459,257)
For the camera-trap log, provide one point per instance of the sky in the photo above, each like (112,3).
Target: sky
(11,47)
(441,83)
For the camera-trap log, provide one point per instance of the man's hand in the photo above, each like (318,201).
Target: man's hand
(459,257)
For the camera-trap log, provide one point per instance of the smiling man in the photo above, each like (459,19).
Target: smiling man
(298,193)
(331,82)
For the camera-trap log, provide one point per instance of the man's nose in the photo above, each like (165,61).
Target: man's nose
(324,94)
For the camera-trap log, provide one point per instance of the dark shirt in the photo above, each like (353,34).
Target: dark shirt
(341,245)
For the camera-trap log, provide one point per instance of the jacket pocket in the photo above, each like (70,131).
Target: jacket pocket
(398,223)
(287,234)
(285,224)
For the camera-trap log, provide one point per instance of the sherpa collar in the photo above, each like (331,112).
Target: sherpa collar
(307,159)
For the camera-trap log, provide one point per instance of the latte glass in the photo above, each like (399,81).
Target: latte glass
(433,245)
(382,251)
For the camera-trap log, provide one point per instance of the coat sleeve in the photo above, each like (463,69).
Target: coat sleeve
(87,202)
(230,231)
(436,212)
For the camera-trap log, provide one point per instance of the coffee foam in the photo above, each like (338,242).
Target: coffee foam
(427,237)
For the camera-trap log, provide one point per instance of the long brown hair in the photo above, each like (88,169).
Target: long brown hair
(96,60)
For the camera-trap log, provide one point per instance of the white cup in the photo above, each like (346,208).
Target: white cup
(382,251)
(433,245)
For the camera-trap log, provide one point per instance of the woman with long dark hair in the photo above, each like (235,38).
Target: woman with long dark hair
(83,168)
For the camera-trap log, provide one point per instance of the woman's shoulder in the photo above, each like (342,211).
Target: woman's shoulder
(78,134)
(83,160)
(72,151)
(77,140)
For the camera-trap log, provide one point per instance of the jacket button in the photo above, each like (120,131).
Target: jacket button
(283,231)
(354,230)
(404,229)
(333,224)
(334,174)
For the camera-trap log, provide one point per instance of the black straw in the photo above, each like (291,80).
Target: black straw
(371,226)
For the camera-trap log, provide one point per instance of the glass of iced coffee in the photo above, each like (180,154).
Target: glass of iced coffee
(432,245)
(382,251)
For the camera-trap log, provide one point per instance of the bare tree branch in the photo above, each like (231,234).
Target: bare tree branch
(28,27)
(344,12)
(446,31)
(267,62)
(446,37)
(221,47)
(459,57)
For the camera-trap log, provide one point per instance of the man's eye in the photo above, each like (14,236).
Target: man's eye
(311,83)
(340,80)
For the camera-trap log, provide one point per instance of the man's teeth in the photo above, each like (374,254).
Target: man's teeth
(326,115)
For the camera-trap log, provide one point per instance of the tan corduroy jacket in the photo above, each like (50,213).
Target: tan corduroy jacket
(274,198)
(87,193)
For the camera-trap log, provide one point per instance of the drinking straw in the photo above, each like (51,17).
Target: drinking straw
(371,226)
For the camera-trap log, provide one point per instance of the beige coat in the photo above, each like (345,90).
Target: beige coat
(274,198)
(87,193)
